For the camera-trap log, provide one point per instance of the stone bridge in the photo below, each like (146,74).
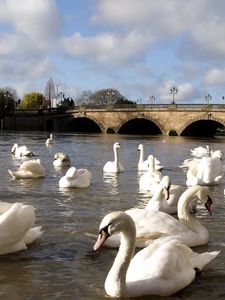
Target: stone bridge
(172,119)
(149,119)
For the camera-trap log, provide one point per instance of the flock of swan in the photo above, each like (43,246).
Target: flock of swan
(166,264)
(166,228)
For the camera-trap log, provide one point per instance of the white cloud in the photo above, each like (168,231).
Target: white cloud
(215,76)
(108,48)
(31,25)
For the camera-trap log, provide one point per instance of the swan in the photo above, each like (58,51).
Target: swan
(163,268)
(75,178)
(150,179)
(16,231)
(20,151)
(151,224)
(50,140)
(166,196)
(61,160)
(29,169)
(114,166)
(201,151)
(143,164)
(206,170)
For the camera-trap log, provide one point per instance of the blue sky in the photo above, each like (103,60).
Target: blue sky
(139,47)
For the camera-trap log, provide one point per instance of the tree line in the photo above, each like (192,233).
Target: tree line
(51,97)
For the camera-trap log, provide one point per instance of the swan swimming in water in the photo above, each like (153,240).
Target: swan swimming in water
(143,164)
(50,140)
(114,166)
(207,170)
(152,178)
(20,151)
(163,268)
(61,160)
(16,231)
(75,178)
(151,224)
(29,169)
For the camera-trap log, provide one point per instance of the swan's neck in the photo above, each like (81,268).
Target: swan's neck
(141,157)
(156,201)
(151,165)
(116,157)
(115,284)
(183,211)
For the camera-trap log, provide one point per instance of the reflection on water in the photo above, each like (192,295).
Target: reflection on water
(111,183)
(61,265)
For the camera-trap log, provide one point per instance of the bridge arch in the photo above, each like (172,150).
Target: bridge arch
(84,123)
(201,126)
(140,125)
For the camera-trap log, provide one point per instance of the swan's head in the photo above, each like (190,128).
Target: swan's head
(166,184)
(150,158)
(14,147)
(71,172)
(116,145)
(113,223)
(62,156)
(204,196)
(140,147)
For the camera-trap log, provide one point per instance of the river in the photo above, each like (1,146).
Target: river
(60,265)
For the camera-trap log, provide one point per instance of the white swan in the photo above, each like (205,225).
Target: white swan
(163,268)
(29,169)
(201,151)
(16,231)
(166,196)
(151,224)
(75,178)
(61,160)
(50,140)
(206,170)
(20,151)
(150,179)
(143,164)
(114,166)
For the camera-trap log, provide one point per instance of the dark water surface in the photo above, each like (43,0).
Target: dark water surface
(61,266)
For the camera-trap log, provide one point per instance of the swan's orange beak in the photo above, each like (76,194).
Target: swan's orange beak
(102,237)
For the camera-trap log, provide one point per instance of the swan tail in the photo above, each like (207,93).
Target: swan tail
(204,258)
(33,234)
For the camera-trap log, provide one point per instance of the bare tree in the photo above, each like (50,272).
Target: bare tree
(49,93)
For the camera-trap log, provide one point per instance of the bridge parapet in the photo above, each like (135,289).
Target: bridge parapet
(151,107)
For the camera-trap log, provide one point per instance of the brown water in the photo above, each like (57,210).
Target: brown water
(61,266)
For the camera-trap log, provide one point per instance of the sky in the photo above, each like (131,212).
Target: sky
(142,48)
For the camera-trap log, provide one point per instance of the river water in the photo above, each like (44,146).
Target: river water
(60,265)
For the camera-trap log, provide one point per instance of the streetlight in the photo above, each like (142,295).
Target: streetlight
(6,100)
(173,91)
(208,98)
(139,101)
(152,99)
(110,94)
